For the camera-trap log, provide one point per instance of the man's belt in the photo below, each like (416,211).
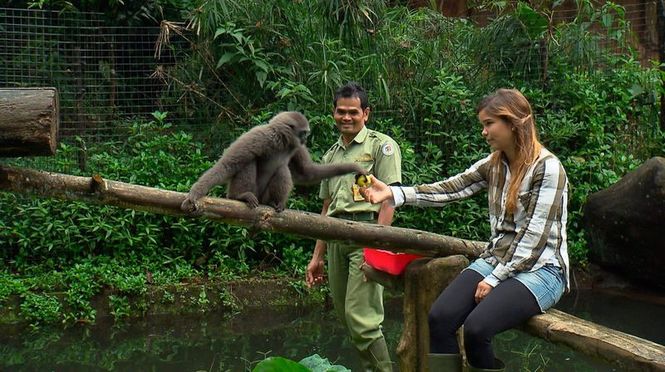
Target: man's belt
(360,216)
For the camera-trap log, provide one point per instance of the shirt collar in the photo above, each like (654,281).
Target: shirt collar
(359,138)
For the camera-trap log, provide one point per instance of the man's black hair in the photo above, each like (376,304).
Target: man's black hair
(352,90)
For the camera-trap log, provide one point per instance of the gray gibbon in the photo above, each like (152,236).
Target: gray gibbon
(261,166)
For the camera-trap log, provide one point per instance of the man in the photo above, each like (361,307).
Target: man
(357,302)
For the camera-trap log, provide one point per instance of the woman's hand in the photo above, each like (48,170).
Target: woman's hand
(378,192)
(482,290)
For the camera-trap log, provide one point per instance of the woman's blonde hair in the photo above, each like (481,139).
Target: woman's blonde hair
(513,108)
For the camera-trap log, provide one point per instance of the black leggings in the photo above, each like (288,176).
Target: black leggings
(507,305)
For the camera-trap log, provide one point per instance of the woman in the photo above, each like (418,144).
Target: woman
(523,270)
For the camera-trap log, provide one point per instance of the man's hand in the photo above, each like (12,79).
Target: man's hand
(315,272)
(482,290)
(378,192)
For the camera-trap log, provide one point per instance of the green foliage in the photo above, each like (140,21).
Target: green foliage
(120,12)
(312,363)
(316,363)
(596,106)
(279,364)
(119,306)
(40,308)
(240,49)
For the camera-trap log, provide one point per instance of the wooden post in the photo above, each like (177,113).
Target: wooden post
(424,280)
(661,55)
(29,121)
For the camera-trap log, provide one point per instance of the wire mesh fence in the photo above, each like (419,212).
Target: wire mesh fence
(107,74)
(103,73)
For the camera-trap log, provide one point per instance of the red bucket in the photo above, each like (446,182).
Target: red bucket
(390,262)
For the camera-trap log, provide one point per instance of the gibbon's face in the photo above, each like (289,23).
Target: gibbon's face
(302,135)
(497,132)
(300,128)
(350,118)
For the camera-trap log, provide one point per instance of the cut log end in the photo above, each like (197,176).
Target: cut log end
(29,121)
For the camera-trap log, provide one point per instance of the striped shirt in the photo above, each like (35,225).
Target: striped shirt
(526,241)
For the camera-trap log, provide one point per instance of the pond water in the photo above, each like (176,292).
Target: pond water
(212,343)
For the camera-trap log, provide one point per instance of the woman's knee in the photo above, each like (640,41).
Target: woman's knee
(441,318)
(476,330)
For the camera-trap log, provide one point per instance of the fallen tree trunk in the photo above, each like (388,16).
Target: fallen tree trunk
(99,191)
(29,120)
(627,351)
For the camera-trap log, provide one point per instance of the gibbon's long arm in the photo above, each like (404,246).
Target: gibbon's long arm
(214,176)
(305,171)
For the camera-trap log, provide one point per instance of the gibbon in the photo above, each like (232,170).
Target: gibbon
(261,166)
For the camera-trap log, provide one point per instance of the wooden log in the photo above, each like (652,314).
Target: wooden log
(424,279)
(29,121)
(626,351)
(99,191)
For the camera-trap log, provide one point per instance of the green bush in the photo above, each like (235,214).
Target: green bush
(597,109)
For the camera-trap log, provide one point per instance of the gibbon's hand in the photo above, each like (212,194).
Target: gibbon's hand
(378,192)
(361,170)
(315,273)
(482,290)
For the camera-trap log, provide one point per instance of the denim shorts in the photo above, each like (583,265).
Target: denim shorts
(546,284)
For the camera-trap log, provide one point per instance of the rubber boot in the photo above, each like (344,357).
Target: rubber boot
(498,366)
(376,357)
(444,362)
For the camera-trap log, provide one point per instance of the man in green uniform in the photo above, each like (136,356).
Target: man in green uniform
(358,302)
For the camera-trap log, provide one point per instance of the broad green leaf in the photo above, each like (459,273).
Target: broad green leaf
(279,364)
(225,59)
(318,364)
(534,22)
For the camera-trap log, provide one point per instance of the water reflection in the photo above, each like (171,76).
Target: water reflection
(211,343)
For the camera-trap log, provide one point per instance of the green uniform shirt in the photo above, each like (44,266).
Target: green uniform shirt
(372,150)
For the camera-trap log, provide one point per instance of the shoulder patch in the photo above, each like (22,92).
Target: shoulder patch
(388,149)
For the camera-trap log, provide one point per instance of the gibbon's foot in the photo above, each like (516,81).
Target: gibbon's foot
(190,206)
(279,206)
(250,199)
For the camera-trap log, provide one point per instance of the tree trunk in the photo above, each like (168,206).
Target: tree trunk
(423,282)
(99,191)
(29,120)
